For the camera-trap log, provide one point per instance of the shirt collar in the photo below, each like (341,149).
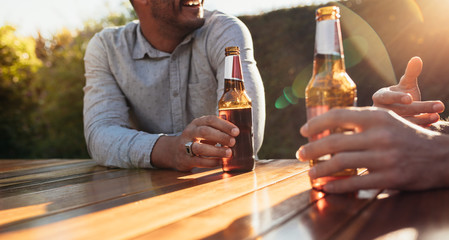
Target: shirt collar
(142,47)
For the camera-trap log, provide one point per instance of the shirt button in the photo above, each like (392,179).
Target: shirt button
(175,94)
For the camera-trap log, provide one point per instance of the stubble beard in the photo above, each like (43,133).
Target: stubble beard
(176,21)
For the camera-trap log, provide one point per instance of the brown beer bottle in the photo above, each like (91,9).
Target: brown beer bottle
(330,85)
(235,106)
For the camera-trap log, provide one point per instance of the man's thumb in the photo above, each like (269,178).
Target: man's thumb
(414,68)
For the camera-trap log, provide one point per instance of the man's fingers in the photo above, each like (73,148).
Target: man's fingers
(205,156)
(212,129)
(213,135)
(208,150)
(331,144)
(424,119)
(217,123)
(414,68)
(416,108)
(386,97)
(205,162)
(352,184)
(350,118)
(348,160)
(405,92)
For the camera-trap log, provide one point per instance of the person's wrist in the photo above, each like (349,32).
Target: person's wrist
(163,153)
(174,150)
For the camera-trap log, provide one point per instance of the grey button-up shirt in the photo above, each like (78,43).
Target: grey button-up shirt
(135,93)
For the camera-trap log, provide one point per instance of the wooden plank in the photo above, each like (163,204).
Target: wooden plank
(50,167)
(405,215)
(245,217)
(89,190)
(35,180)
(327,211)
(328,214)
(42,174)
(10,165)
(76,176)
(133,215)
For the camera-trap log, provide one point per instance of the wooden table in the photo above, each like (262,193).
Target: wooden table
(76,199)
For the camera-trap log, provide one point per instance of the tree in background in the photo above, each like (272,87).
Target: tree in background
(41,91)
(18,67)
(59,83)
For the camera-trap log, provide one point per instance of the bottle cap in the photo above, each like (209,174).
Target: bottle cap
(232,51)
(332,11)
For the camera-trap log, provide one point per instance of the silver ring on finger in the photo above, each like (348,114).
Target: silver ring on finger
(189,149)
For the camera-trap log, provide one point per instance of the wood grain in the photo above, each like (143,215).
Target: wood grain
(156,206)
(76,199)
(403,215)
(326,216)
(11,168)
(245,217)
(85,191)
(28,175)
(57,179)
(11,165)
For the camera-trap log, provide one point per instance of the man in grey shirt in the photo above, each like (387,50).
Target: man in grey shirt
(153,85)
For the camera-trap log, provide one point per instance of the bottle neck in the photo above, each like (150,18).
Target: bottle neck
(233,85)
(329,55)
(233,73)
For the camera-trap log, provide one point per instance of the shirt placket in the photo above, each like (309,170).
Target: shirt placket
(175,96)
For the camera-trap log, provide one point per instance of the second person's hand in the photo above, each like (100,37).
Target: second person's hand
(405,97)
(398,154)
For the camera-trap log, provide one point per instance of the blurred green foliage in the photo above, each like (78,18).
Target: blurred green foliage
(18,67)
(41,91)
(41,79)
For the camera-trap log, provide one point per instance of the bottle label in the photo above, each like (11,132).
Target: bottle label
(233,68)
(326,39)
(313,112)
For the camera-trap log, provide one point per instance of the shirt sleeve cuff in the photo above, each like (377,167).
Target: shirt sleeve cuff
(147,162)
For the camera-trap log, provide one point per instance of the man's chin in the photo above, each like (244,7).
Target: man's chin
(197,23)
(193,20)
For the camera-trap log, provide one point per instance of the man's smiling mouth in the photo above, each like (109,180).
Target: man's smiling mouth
(191,3)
